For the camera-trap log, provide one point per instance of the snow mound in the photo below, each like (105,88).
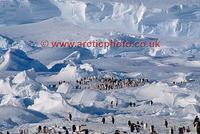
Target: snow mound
(23,76)
(87,98)
(54,103)
(22,85)
(98,50)
(163,51)
(73,72)
(25,84)
(17,60)
(162,93)
(87,67)
(69,73)
(64,88)
(57,103)
(5,42)
(73,58)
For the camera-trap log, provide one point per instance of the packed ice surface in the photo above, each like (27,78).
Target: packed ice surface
(38,86)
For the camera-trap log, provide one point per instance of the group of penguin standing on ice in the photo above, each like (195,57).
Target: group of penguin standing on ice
(137,128)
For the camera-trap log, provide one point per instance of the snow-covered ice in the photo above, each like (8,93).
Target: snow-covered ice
(43,86)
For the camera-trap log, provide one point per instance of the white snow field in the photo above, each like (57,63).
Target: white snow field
(44,85)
